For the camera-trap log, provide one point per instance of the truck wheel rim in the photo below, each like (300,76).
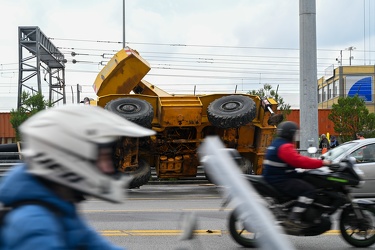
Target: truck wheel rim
(230,106)
(128,108)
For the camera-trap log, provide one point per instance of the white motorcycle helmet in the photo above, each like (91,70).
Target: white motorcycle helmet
(61,145)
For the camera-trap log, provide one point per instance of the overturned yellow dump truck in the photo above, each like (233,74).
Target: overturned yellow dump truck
(244,122)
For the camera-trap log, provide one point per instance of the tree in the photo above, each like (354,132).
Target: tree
(351,115)
(31,104)
(267,91)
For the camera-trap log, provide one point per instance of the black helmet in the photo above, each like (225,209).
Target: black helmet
(287,130)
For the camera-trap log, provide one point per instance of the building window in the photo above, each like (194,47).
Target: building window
(330,91)
(320,95)
(335,89)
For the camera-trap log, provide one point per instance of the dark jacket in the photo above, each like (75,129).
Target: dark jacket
(282,159)
(334,143)
(324,143)
(37,227)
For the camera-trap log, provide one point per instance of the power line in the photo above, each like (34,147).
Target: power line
(274,68)
(186,45)
(170,44)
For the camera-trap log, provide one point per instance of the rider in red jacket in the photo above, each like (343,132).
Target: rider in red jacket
(279,170)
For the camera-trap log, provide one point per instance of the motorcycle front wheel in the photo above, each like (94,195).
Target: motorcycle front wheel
(358,232)
(239,233)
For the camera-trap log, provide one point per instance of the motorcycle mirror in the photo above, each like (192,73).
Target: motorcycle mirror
(312,150)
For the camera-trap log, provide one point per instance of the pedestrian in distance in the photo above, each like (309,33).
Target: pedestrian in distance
(334,143)
(324,143)
(68,154)
(360,136)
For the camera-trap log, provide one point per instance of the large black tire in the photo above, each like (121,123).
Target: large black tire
(231,111)
(240,234)
(136,110)
(358,233)
(140,176)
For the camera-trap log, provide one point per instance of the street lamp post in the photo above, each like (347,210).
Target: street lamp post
(123,23)
(350,54)
(339,60)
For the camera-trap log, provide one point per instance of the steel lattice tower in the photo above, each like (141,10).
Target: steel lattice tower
(39,57)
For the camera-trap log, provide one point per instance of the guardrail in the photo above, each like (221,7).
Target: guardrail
(201,178)
(10,159)
(6,166)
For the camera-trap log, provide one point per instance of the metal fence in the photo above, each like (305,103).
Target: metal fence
(10,159)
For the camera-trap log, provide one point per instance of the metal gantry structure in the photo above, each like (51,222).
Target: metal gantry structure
(39,60)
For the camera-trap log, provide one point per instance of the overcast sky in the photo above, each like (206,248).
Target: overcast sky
(201,45)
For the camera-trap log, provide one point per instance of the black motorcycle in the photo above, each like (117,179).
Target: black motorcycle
(356,217)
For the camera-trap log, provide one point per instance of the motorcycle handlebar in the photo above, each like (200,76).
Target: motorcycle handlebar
(334,166)
(339,166)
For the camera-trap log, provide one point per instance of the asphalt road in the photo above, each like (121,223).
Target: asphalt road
(151,218)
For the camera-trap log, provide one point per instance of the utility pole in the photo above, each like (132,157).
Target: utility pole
(79,90)
(123,23)
(308,75)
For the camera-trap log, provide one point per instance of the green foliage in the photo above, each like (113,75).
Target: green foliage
(31,104)
(351,115)
(267,91)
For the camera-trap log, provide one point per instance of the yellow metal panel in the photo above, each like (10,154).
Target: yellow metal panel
(147,88)
(180,116)
(246,138)
(180,111)
(121,74)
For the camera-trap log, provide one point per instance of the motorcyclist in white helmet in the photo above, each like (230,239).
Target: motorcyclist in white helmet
(68,154)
